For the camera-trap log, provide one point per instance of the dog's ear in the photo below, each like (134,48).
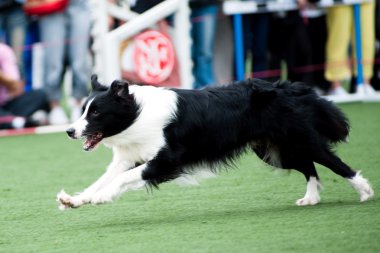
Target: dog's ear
(120,88)
(96,86)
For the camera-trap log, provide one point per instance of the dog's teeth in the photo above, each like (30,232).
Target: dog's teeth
(86,145)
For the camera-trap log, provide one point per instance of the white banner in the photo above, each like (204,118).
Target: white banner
(259,6)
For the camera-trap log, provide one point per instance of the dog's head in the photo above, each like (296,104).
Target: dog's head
(107,112)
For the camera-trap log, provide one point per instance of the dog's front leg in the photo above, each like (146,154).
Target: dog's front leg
(114,169)
(128,180)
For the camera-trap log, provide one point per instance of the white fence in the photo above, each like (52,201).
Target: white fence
(107,42)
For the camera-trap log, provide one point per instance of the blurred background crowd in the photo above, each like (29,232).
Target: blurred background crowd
(312,45)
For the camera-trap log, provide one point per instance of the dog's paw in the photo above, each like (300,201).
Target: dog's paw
(307,201)
(66,201)
(366,193)
(362,186)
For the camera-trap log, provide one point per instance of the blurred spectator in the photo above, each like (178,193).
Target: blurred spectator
(340,24)
(204,14)
(13,25)
(64,33)
(315,19)
(289,42)
(376,77)
(140,6)
(256,29)
(17,108)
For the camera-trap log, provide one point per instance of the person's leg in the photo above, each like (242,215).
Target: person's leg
(317,33)
(6,119)
(16,25)
(52,32)
(79,34)
(375,81)
(276,50)
(4,112)
(339,26)
(22,111)
(53,36)
(248,33)
(260,29)
(299,51)
(203,39)
(28,103)
(2,25)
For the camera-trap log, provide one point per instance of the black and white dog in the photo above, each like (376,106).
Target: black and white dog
(160,134)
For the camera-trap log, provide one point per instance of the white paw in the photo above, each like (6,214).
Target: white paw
(362,186)
(366,193)
(66,201)
(307,201)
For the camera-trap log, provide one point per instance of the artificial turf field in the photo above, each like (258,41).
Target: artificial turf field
(249,209)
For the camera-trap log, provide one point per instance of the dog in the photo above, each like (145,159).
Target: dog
(160,134)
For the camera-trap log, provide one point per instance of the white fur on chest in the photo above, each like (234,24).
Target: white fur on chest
(145,137)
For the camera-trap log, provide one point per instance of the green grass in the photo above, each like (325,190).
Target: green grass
(250,209)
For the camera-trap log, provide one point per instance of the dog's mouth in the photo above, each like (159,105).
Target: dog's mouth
(92,141)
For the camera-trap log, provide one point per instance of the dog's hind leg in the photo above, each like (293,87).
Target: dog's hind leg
(358,182)
(267,152)
(284,158)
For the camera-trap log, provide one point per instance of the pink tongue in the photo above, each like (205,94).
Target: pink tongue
(88,144)
(92,141)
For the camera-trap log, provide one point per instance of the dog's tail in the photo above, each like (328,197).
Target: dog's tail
(331,121)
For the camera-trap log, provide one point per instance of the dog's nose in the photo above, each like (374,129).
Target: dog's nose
(70,132)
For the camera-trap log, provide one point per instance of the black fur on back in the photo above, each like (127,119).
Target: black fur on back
(216,125)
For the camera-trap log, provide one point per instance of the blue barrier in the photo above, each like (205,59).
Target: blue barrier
(237,8)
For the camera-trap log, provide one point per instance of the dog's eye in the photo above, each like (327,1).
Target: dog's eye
(95,113)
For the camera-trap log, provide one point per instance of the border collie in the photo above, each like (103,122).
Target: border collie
(160,134)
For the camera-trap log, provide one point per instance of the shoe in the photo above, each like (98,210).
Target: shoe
(339,91)
(21,122)
(76,112)
(18,122)
(57,116)
(40,117)
(369,90)
(360,90)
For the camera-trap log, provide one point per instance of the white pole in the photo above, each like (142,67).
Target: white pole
(182,41)
(144,20)
(99,31)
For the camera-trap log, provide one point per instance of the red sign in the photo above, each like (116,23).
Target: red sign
(153,57)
